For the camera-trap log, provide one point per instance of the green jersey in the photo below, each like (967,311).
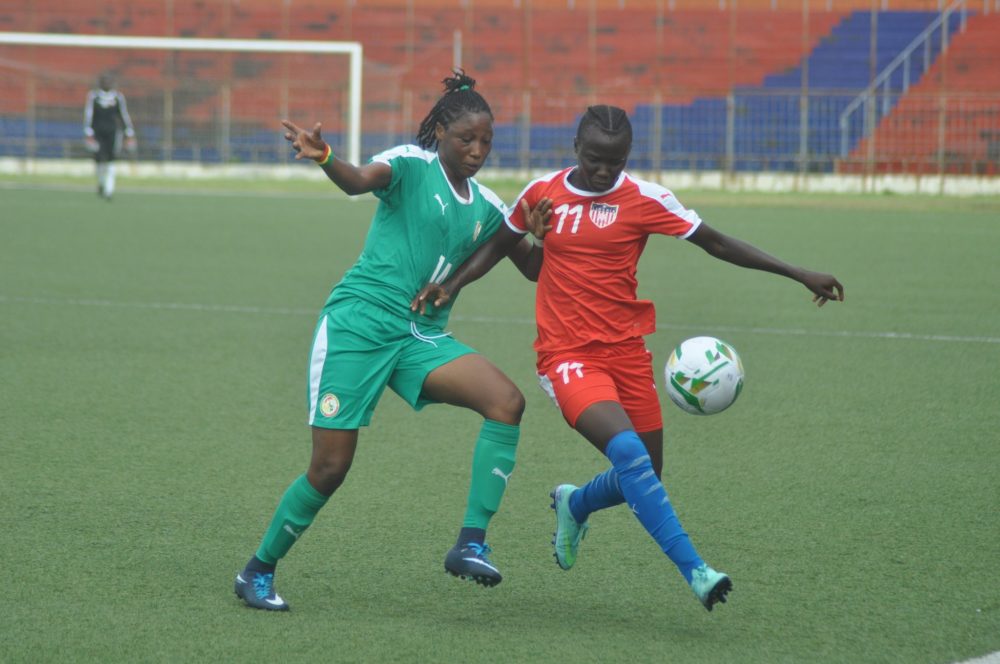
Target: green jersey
(421,232)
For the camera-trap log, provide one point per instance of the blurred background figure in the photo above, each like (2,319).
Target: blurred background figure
(105,118)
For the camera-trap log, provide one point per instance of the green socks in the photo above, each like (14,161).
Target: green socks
(296,511)
(492,465)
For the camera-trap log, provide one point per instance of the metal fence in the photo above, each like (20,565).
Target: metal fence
(191,108)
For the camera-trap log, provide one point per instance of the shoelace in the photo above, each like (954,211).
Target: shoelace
(481,550)
(262,584)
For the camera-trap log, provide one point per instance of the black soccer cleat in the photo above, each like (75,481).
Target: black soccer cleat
(258,592)
(471,561)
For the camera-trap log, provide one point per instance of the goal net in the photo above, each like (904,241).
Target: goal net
(191,100)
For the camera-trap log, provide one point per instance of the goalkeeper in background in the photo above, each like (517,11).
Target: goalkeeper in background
(105,118)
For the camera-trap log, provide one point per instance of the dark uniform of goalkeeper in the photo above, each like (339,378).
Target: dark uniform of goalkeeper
(105,118)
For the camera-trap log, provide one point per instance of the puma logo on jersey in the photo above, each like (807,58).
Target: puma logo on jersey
(499,473)
(477,231)
(440,202)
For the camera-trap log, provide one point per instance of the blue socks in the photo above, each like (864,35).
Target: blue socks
(599,493)
(645,495)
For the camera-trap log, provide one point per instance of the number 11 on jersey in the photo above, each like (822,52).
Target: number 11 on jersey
(565,368)
(564,211)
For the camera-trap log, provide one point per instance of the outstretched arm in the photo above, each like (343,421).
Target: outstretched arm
(823,286)
(351,179)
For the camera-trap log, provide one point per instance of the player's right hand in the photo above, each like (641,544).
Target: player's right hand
(308,144)
(90,143)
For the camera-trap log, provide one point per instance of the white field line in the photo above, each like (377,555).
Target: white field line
(222,192)
(494,320)
(992,658)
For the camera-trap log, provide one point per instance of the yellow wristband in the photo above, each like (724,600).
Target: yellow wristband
(327,156)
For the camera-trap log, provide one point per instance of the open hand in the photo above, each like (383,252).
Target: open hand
(307,144)
(536,218)
(432,292)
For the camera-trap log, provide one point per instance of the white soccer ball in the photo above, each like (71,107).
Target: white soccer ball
(704,375)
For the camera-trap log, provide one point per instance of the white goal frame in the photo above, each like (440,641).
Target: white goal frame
(352,49)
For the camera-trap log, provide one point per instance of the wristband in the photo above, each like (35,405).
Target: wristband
(327,156)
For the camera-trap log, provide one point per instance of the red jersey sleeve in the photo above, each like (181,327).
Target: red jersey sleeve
(664,214)
(531,194)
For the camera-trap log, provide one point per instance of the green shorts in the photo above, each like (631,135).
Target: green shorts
(360,348)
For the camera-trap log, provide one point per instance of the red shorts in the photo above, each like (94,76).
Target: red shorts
(622,372)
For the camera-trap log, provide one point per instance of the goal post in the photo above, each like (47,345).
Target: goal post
(225,106)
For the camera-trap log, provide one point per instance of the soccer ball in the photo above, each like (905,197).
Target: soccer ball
(704,375)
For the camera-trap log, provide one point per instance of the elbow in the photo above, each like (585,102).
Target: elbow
(354,188)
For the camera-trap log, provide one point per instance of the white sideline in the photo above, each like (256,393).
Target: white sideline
(493,320)
(992,658)
(814,183)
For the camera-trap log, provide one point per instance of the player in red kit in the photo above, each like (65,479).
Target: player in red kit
(592,359)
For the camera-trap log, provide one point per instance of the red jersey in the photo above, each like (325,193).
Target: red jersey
(587,287)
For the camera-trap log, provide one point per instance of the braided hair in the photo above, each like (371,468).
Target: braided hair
(611,120)
(458,99)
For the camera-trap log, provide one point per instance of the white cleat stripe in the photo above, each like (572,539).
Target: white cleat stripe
(484,564)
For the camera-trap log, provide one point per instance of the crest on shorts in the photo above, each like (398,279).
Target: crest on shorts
(329,405)
(603,215)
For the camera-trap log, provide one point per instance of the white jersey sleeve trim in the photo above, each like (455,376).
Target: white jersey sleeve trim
(548,177)
(666,198)
(408,151)
(123,109)
(88,114)
(506,221)
(491,198)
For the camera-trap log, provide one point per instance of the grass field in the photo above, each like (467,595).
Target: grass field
(153,356)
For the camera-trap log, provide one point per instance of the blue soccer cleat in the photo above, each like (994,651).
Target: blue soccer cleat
(710,586)
(566,540)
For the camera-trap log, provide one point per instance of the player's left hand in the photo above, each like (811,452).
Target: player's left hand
(131,145)
(825,287)
(536,218)
(432,292)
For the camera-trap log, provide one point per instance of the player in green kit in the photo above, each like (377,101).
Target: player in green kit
(431,216)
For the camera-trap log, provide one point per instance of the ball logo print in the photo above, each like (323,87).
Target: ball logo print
(704,375)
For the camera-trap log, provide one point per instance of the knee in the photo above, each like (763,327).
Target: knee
(508,408)
(625,449)
(327,472)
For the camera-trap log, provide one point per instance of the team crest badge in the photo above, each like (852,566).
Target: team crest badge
(477,231)
(329,405)
(603,215)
